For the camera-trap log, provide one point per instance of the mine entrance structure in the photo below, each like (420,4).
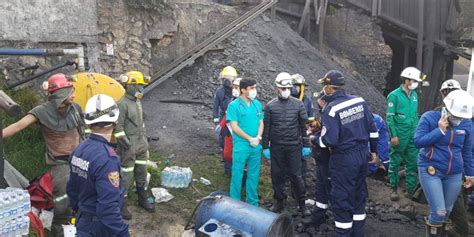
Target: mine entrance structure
(419,32)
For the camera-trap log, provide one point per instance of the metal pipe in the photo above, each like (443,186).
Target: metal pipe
(11,51)
(11,85)
(79,51)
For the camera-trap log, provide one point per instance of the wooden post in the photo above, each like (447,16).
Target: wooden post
(273,12)
(303,16)
(406,54)
(323,6)
(308,25)
(419,43)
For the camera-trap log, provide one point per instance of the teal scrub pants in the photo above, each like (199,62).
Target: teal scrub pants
(252,159)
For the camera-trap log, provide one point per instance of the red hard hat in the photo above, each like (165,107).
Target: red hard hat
(58,81)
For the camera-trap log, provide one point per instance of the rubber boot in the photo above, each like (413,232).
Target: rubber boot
(278,206)
(314,221)
(304,210)
(143,200)
(445,228)
(432,230)
(126,214)
(394,196)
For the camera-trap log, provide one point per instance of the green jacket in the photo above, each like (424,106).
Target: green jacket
(131,123)
(402,112)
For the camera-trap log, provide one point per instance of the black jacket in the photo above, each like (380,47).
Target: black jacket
(284,123)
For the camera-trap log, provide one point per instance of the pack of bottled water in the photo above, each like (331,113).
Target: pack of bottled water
(14,207)
(176,177)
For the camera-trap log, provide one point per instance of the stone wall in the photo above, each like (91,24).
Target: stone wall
(119,35)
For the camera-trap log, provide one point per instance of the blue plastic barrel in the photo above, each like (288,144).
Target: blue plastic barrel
(242,216)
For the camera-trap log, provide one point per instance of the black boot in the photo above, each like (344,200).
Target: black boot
(126,215)
(313,221)
(143,200)
(432,230)
(304,210)
(278,206)
(445,228)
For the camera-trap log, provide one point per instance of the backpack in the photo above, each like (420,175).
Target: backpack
(36,227)
(41,191)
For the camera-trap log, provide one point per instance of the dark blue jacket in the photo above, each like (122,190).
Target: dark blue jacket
(449,153)
(221,101)
(308,105)
(347,124)
(95,185)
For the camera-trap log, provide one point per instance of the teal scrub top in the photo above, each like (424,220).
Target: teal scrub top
(248,118)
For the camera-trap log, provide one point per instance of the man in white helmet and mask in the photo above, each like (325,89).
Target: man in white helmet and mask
(284,134)
(402,119)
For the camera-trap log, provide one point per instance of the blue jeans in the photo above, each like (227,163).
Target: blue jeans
(441,191)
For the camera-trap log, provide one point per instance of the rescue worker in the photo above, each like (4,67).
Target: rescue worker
(402,119)
(445,138)
(222,98)
(227,133)
(383,147)
(298,91)
(348,126)
(62,127)
(323,181)
(245,115)
(458,215)
(95,187)
(284,136)
(131,138)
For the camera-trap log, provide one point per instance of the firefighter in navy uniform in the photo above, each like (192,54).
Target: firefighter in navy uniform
(95,187)
(348,126)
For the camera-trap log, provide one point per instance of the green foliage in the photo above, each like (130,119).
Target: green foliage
(25,150)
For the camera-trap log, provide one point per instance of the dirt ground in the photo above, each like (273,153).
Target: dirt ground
(259,51)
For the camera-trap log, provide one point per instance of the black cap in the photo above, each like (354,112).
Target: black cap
(333,78)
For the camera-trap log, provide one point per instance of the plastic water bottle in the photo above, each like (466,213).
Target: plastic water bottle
(7,206)
(13,205)
(25,225)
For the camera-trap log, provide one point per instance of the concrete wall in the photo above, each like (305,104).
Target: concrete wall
(49,20)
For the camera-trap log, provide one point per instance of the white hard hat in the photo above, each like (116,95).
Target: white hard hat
(412,73)
(101,108)
(284,80)
(298,79)
(450,84)
(236,82)
(459,103)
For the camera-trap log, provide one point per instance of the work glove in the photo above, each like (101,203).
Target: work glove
(305,152)
(216,121)
(123,143)
(266,153)
(254,141)
(218,129)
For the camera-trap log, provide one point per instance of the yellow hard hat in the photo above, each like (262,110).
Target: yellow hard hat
(134,78)
(228,72)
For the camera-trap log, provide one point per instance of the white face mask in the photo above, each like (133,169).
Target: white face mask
(235,93)
(413,86)
(252,94)
(285,94)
